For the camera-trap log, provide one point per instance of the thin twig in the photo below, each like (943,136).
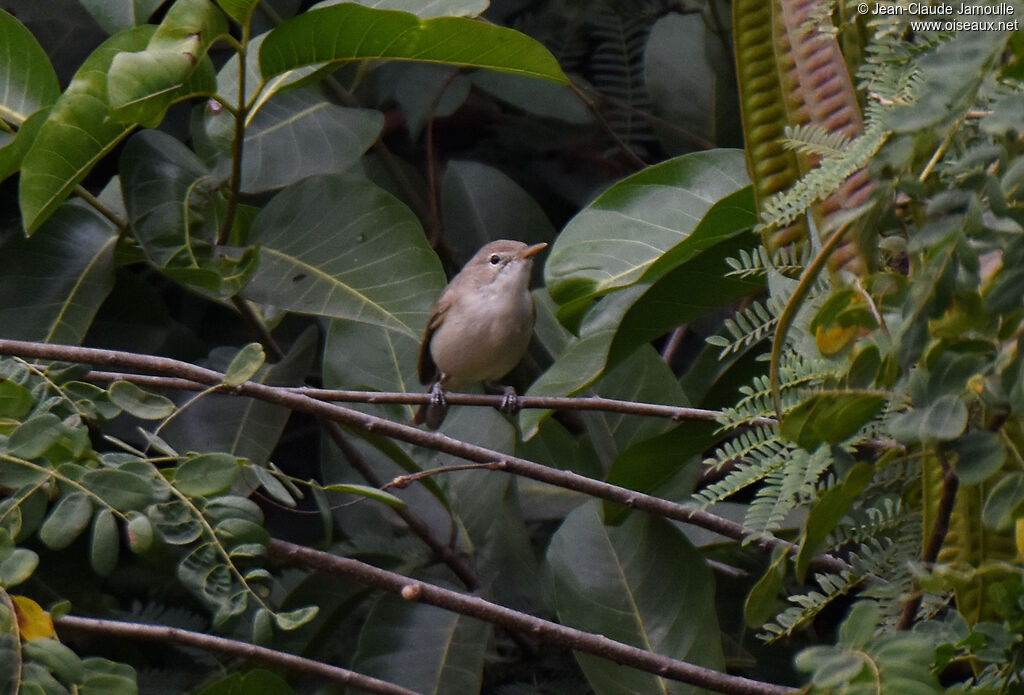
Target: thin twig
(673,412)
(675,339)
(221,645)
(549,632)
(99,207)
(412,435)
(434,237)
(632,156)
(793,305)
(238,142)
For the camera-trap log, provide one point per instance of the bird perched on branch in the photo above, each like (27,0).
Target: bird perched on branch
(480,327)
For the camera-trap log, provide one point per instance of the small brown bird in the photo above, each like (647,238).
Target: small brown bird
(480,326)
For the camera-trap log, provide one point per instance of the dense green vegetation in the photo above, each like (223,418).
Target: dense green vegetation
(797,293)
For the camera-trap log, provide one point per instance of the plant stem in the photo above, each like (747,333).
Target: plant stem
(221,645)
(238,143)
(549,632)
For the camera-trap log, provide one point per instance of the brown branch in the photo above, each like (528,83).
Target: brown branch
(244,650)
(936,538)
(412,435)
(595,403)
(553,633)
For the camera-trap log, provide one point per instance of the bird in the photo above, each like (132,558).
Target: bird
(479,327)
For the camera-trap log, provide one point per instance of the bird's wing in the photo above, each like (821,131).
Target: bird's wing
(426,367)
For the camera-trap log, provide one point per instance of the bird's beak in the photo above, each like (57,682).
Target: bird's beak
(532,250)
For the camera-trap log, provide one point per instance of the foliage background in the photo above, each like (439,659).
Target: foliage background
(275,192)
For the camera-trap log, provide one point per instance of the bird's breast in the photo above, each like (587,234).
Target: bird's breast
(483,336)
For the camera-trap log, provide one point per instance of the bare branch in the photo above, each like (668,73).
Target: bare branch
(430,440)
(552,633)
(673,412)
(221,645)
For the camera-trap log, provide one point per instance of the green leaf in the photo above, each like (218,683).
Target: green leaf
(238,10)
(1004,503)
(648,463)
(142,84)
(422,8)
(299,134)
(16,567)
(121,489)
(943,419)
(422,647)
(350,32)
(27,80)
(35,436)
(342,247)
(475,200)
(56,657)
(66,521)
(827,512)
(13,153)
(10,648)
(139,531)
(979,455)
(763,600)
(175,522)
(629,318)
(172,202)
(15,399)
(105,677)
(859,625)
(118,15)
(244,365)
(52,285)
(641,583)
(646,224)
(829,417)
(105,543)
(76,135)
(207,474)
(245,427)
(141,404)
(368,492)
(255,682)
(292,620)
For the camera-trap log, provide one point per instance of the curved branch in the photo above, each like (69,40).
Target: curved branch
(596,403)
(553,633)
(244,650)
(412,435)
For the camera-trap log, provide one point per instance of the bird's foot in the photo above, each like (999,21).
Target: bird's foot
(433,411)
(510,402)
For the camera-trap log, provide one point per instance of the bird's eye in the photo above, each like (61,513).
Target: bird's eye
(495,259)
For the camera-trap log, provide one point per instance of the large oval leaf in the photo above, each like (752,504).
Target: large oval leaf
(142,84)
(350,32)
(646,224)
(342,247)
(421,8)
(27,80)
(421,647)
(52,285)
(629,318)
(641,583)
(298,134)
(77,133)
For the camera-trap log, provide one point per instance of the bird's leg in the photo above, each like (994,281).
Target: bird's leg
(437,397)
(510,399)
